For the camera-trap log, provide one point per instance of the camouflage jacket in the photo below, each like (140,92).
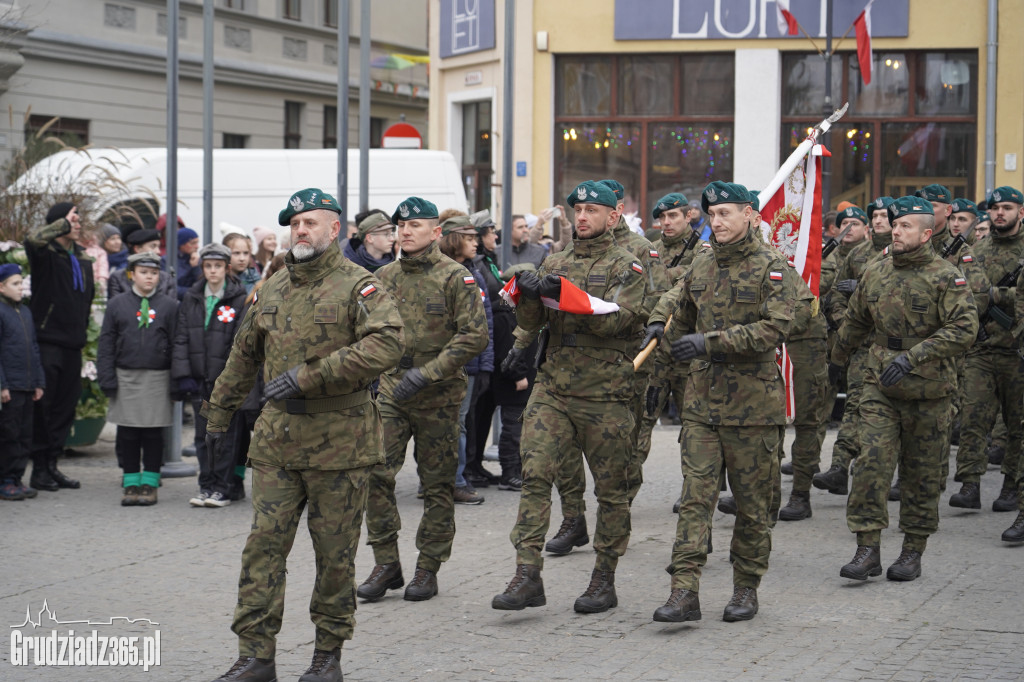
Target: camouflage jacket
(806,324)
(670,251)
(445,324)
(739,297)
(655,275)
(915,303)
(590,356)
(853,267)
(996,256)
(333,318)
(969,267)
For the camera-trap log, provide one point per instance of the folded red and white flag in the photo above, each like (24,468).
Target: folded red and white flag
(862,28)
(572,299)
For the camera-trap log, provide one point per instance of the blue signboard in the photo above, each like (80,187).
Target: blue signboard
(466,26)
(750,19)
(520,169)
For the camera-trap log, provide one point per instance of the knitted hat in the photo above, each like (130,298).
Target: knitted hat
(259,233)
(185,235)
(107,231)
(8,270)
(58,211)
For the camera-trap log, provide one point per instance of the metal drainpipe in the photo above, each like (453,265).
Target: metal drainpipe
(990,96)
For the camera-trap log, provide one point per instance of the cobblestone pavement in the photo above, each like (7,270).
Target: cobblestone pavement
(89,558)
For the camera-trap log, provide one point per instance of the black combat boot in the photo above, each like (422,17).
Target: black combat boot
(599,595)
(249,669)
(787,468)
(63,481)
(995,454)
(382,578)
(969,497)
(727,504)
(42,480)
(742,606)
(525,589)
(326,667)
(422,587)
(907,566)
(572,533)
(1015,533)
(1007,500)
(682,605)
(867,563)
(835,480)
(799,507)
(894,492)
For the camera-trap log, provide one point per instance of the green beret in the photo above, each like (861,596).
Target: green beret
(1004,193)
(755,199)
(508,273)
(965,206)
(150,258)
(719,192)
(937,193)
(615,186)
(309,199)
(668,202)
(880,204)
(215,252)
(983,205)
(458,224)
(414,208)
(590,192)
(852,212)
(482,221)
(914,205)
(372,222)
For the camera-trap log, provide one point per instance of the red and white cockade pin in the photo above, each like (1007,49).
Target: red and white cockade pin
(225,313)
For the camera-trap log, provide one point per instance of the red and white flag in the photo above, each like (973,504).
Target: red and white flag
(571,300)
(862,26)
(785,18)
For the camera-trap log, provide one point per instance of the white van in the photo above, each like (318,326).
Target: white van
(250,186)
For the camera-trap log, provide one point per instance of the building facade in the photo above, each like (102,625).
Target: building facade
(101,67)
(666,95)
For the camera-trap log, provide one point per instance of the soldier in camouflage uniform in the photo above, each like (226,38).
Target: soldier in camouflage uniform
(919,313)
(735,309)
(582,398)
(847,444)
(323,329)
(445,328)
(993,368)
(572,482)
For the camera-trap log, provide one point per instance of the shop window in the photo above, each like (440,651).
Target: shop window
(330,127)
(655,123)
(476,153)
(915,124)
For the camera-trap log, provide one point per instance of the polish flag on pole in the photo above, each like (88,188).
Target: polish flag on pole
(572,299)
(862,25)
(786,20)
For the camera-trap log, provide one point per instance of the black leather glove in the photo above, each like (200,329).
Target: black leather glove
(551,287)
(214,442)
(529,284)
(111,393)
(187,386)
(284,385)
(846,286)
(688,347)
(481,383)
(897,369)
(653,393)
(655,330)
(515,359)
(410,384)
(835,373)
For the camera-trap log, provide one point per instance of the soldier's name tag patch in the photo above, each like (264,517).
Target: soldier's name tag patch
(367,290)
(270,310)
(637,268)
(968,259)
(960,281)
(746,295)
(775,276)
(325,313)
(468,279)
(698,287)
(654,254)
(597,280)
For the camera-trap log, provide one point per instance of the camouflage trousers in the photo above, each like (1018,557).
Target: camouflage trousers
(555,428)
(847,445)
(915,435)
(810,387)
(436,431)
(336,500)
(571,481)
(749,456)
(993,383)
(668,380)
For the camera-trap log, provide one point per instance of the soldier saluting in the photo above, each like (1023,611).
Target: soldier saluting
(324,329)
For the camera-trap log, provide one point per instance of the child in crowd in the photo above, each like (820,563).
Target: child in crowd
(241,266)
(111,241)
(133,368)
(266,245)
(210,314)
(21,384)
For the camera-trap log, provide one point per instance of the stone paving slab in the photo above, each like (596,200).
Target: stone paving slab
(178,566)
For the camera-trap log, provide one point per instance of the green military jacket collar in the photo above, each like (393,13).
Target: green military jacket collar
(880,241)
(424,260)
(597,246)
(909,259)
(305,272)
(737,250)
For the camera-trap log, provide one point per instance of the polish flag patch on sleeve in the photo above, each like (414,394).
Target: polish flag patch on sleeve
(469,279)
(654,254)
(367,290)
(960,281)
(775,276)
(638,268)
(968,259)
